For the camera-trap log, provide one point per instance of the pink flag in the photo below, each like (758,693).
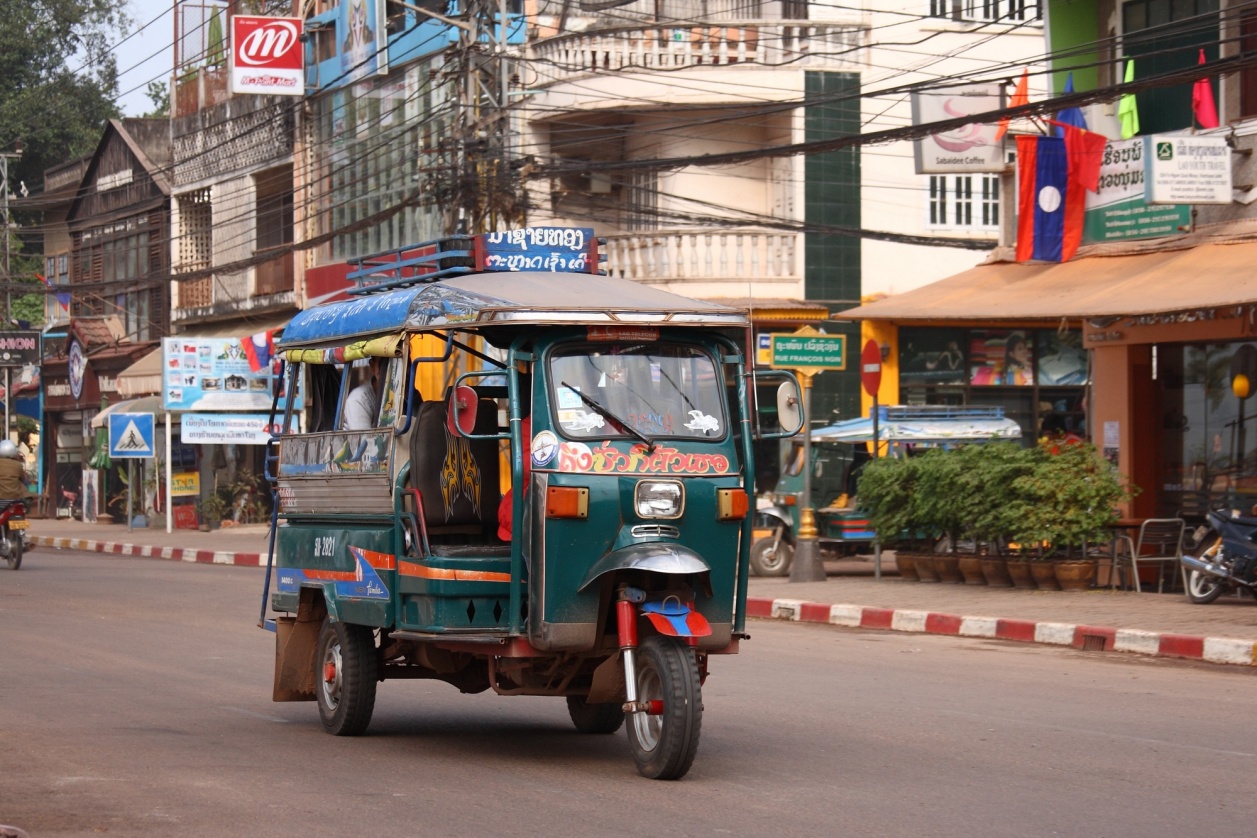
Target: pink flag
(1203,106)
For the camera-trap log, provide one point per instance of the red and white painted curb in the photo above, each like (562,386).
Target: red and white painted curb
(179,554)
(1090,638)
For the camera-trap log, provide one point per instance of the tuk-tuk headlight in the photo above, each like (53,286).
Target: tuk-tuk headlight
(659,498)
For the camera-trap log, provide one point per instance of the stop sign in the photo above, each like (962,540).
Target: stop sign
(871,367)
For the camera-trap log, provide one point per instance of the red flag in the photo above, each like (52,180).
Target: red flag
(1021,96)
(1203,106)
(1085,150)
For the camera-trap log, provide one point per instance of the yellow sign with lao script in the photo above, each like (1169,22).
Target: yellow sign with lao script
(184,484)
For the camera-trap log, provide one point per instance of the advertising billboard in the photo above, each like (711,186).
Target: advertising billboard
(969,148)
(266,55)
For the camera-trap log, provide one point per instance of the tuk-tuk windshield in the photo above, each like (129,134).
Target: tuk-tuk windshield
(654,390)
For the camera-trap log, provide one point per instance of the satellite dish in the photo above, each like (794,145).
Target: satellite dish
(789,407)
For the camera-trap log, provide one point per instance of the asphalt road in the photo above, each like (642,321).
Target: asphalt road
(135,700)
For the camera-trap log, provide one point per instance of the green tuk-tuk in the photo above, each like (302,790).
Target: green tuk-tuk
(615,564)
(839,452)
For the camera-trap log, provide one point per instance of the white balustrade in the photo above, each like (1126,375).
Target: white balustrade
(732,255)
(765,43)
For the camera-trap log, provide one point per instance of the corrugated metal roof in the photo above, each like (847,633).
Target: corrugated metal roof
(1206,276)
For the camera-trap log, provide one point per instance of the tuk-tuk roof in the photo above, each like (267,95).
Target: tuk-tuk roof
(924,424)
(473,301)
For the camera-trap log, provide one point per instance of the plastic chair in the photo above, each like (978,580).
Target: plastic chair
(1160,540)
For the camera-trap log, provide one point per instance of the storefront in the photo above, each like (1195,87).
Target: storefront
(1171,343)
(80,376)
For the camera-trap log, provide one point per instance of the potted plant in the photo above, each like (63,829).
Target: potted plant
(987,505)
(886,490)
(1070,499)
(939,508)
(210,511)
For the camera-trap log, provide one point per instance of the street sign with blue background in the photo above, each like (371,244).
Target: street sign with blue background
(131,435)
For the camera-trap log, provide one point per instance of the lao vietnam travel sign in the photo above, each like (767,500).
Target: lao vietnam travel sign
(809,351)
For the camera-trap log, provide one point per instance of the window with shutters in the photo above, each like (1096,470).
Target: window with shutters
(195,248)
(968,202)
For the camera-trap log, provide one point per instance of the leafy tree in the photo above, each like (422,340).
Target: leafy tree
(59,83)
(159,95)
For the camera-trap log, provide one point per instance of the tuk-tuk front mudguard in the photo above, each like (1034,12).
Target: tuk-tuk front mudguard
(776,516)
(655,557)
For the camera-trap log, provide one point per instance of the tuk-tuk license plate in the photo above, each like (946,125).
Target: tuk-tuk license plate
(18,525)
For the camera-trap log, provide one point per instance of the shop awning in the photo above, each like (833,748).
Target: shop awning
(148,404)
(141,378)
(1205,276)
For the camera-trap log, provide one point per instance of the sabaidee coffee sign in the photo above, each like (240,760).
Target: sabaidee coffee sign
(266,55)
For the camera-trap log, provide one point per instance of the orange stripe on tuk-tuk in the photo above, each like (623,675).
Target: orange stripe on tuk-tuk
(457,574)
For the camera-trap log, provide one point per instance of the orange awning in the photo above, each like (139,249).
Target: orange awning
(1205,276)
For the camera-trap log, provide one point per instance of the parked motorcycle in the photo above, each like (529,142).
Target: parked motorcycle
(13,526)
(1227,560)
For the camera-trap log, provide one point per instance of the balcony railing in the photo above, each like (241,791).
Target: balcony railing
(763,43)
(735,255)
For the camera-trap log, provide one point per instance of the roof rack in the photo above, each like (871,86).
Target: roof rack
(550,249)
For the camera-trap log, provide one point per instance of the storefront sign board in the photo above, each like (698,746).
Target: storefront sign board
(217,374)
(226,429)
(185,484)
(1118,211)
(969,148)
(1187,170)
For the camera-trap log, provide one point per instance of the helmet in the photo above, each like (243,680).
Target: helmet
(8,449)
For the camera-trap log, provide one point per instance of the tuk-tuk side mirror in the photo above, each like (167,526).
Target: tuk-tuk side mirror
(460,420)
(789,406)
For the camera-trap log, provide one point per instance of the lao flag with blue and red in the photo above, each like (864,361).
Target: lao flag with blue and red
(1055,174)
(258,350)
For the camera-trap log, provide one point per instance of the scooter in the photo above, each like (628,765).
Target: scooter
(13,526)
(1228,562)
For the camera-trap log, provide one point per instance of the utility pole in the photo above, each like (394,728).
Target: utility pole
(5,157)
(481,187)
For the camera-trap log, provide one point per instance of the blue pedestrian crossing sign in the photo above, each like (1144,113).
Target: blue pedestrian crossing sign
(131,435)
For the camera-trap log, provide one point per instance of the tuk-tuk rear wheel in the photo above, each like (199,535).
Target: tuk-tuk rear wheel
(664,745)
(594,718)
(346,671)
(771,556)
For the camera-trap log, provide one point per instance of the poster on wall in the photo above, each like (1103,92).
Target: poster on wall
(230,374)
(91,494)
(1062,361)
(1000,357)
(362,40)
(932,356)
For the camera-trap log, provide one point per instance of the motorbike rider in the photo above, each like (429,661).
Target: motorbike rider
(12,472)
(12,475)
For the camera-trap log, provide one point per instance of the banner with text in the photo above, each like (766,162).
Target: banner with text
(1118,211)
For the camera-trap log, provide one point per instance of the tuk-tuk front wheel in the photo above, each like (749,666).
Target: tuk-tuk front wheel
(664,745)
(771,556)
(345,676)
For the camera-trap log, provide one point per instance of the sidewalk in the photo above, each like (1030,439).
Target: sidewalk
(1164,625)
(241,545)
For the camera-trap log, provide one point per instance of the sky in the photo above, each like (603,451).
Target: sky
(146,55)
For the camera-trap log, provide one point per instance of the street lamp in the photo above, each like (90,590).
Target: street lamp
(5,157)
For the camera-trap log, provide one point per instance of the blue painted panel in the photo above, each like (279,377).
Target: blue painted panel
(359,317)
